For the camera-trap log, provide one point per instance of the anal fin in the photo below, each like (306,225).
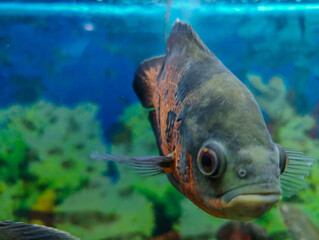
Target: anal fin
(145,80)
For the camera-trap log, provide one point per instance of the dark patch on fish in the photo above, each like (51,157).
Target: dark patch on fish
(153,120)
(170,122)
(197,73)
(174,182)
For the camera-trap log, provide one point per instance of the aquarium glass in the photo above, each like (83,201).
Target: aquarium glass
(66,74)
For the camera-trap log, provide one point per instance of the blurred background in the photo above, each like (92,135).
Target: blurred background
(66,73)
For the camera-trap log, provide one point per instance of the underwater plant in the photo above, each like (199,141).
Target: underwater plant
(196,224)
(115,211)
(44,157)
(135,134)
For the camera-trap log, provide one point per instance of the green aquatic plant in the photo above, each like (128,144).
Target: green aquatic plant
(291,130)
(62,139)
(106,210)
(13,150)
(44,156)
(165,198)
(197,224)
(274,225)
(136,137)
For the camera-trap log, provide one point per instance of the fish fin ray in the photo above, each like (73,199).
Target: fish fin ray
(293,178)
(145,80)
(142,165)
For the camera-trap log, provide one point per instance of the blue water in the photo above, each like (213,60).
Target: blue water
(195,8)
(69,53)
(89,51)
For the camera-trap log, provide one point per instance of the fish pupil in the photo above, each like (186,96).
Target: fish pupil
(210,160)
(207,163)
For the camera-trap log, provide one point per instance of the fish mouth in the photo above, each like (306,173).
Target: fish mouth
(250,202)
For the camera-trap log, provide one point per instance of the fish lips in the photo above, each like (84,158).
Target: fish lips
(249,202)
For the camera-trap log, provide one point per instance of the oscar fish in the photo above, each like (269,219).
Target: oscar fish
(214,144)
(23,231)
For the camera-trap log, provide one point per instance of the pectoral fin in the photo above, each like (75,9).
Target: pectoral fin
(293,178)
(147,166)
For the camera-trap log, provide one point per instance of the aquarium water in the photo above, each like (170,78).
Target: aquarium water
(66,74)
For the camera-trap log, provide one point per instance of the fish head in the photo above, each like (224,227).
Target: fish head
(235,166)
(239,185)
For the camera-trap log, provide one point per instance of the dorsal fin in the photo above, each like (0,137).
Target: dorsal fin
(145,80)
(183,36)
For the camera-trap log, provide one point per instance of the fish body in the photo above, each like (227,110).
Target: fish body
(215,146)
(22,231)
(198,101)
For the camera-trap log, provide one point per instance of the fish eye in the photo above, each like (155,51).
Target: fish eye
(283,159)
(209,161)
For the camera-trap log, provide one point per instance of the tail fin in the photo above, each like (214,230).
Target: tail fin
(145,80)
